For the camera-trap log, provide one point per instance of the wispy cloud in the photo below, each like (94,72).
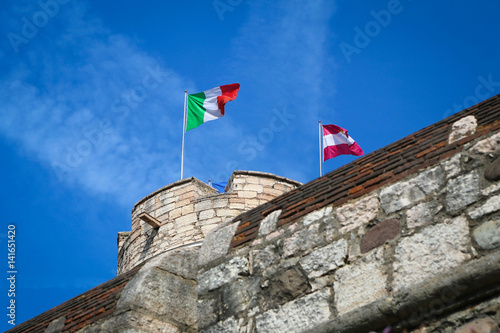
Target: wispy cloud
(285,46)
(104,115)
(89,105)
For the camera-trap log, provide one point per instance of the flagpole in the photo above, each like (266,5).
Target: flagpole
(320,151)
(183,134)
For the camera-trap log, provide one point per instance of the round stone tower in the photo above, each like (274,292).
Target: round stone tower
(182,213)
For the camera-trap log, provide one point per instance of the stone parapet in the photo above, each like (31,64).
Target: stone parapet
(411,251)
(182,213)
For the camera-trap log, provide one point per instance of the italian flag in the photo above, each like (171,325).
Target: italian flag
(209,105)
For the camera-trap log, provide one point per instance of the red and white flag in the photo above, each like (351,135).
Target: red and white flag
(336,142)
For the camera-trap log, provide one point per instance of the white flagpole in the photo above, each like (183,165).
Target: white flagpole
(183,133)
(320,150)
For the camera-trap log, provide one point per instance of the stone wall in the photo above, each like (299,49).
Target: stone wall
(188,209)
(161,297)
(407,253)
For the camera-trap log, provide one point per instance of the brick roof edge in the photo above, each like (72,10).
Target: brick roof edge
(386,165)
(82,310)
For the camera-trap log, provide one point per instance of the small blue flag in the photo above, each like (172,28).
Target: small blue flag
(220,187)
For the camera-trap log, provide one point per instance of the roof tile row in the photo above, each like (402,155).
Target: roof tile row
(384,166)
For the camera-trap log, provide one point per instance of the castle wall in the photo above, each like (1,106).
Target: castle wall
(409,250)
(188,209)
(406,237)
(161,297)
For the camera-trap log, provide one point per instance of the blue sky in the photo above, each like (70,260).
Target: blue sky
(92,95)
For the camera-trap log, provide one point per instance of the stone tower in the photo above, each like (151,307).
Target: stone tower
(182,213)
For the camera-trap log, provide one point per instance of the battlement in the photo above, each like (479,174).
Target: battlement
(182,213)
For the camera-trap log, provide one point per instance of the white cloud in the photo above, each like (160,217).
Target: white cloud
(105,116)
(87,104)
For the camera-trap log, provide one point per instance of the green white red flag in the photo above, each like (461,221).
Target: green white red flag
(209,105)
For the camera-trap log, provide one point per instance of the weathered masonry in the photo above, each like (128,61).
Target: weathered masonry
(182,213)
(407,236)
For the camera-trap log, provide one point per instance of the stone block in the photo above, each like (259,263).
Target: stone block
(185,220)
(241,295)
(300,315)
(358,285)
(223,274)
(252,180)
(268,182)
(265,258)
(422,214)
(253,187)
(491,205)
(167,292)
(405,193)
(379,234)
(205,229)
(166,195)
(462,128)
(187,209)
(184,202)
(274,192)
(288,285)
(56,325)
(316,215)
(188,195)
(357,213)
(239,206)
(489,145)
(268,224)
(302,240)
(490,189)
(492,171)
(175,213)
(207,312)
(247,194)
(203,205)
(462,191)
(214,220)
(224,212)
(251,203)
(282,187)
(184,231)
(165,209)
(434,250)
(275,234)
(325,259)
(452,167)
(207,214)
(487,235)
(220,203)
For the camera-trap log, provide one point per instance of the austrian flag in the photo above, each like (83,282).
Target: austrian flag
(209,105)
(336,142)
